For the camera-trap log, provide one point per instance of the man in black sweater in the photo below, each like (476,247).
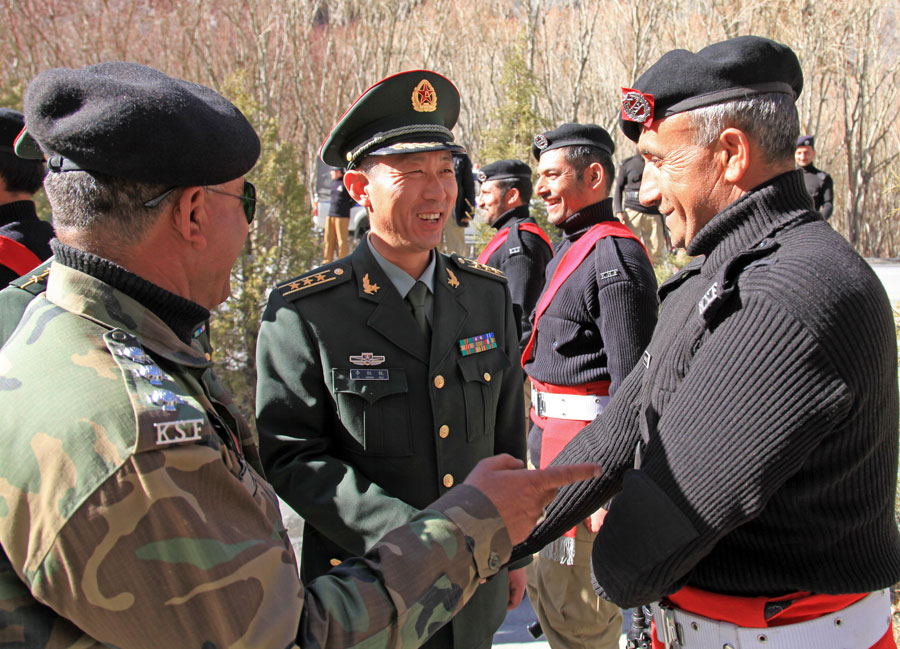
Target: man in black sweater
(591,323)
(24,238)
(521,248)
(754,448)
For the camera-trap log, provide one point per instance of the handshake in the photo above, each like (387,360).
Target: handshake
(519,494)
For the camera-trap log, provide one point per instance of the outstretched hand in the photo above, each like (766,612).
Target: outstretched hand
(520,495)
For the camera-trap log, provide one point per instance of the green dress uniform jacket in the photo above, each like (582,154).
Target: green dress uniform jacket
(134,513)
(362,425)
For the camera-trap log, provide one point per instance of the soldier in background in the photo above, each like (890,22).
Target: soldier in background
(337,223)
(134,489)
(521,249)
(455,227)
(818,183)
(24,238)
(644,221)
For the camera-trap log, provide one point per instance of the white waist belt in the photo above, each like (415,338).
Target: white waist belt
(579,407)
(858,626)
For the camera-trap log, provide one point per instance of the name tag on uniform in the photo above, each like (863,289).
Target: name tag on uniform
(369,375)
(515,250)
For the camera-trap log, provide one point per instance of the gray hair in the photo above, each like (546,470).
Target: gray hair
(101,206)
(770,119)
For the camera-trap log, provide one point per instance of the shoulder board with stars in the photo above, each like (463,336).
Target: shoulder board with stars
(479,269)
(314,281)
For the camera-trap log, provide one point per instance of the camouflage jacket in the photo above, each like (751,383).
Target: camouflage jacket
(133,514)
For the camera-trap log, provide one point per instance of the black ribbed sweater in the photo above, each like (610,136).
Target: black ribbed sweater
(770,408)
(523,258)
(602,317)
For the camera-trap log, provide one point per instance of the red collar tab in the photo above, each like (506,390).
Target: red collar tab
(637,106)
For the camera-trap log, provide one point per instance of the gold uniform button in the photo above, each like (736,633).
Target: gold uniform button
(439,381)
(444,431)
(448,481)
(487,377)
(334,562)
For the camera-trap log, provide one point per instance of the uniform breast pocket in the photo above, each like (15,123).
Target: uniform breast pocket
(373,406)
(482,375)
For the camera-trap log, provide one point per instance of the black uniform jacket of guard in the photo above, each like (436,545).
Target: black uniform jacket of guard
(820,187)
(523,257)
(361,424)
(766,407)
(19,222)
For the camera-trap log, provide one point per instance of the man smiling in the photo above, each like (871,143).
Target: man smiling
(761,423)
(591,323)
(386,376)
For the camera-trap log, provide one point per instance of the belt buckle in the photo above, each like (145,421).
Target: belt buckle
(671,630)
(540,404)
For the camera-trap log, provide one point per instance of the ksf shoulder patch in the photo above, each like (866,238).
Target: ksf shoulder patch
(479,269)
(315,281)
(165,413)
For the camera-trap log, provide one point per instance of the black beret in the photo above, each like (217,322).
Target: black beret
(806,140)
(11,124)
(733,69)
(409,112)
(504,170)
(134,122)
(572,134)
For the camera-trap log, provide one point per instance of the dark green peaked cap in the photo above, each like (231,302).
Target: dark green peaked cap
(409,112)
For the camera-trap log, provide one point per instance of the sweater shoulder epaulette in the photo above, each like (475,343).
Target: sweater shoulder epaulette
(316,280)
(474,267)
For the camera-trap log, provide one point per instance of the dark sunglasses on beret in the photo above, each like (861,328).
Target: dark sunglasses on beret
(247,197)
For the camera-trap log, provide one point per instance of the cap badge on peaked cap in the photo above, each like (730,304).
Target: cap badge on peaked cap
(637,106)
(424,97)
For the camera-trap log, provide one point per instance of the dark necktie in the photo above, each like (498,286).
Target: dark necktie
(416,299)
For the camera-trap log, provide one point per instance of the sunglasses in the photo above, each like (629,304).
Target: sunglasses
(248,197)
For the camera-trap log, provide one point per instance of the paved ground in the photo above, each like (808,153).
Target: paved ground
(513,633)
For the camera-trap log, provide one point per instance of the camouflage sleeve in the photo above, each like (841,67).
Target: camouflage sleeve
(179,535)
(155,540)
(412,581)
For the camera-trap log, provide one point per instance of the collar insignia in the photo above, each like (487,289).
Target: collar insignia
(368,287)
(451,280)
(477,344)
(367,358)
(637,106)
(424,98)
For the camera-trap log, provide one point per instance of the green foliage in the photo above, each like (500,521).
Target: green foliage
(280,245)
(516,115)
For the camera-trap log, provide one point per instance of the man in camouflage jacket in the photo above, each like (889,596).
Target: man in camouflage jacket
(133,511)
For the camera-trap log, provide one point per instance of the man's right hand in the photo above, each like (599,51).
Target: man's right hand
(520,495)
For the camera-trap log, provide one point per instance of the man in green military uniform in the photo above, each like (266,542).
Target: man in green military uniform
(133,512)
(386,376)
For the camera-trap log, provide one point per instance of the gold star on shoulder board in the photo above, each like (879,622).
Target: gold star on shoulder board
(452,281)
(302,283)
(368,287)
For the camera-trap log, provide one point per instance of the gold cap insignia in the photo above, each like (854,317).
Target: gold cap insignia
(424,98)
